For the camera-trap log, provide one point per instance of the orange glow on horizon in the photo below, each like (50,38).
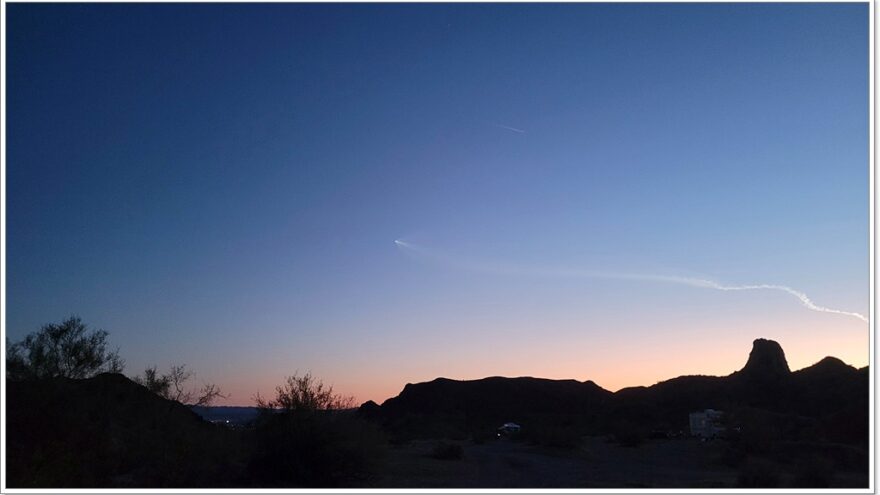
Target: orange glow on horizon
(611,364)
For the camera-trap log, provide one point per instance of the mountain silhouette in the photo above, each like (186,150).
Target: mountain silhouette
(497,397)
(827,391)
(108,431)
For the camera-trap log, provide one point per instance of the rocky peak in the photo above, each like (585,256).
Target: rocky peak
(766,360)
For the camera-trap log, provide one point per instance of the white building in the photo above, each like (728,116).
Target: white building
(706,424)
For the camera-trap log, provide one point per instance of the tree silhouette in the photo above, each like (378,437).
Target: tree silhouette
(172,386)
(64,350)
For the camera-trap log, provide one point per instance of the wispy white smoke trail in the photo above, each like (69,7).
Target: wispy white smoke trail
(806,301)
(693,282)
(513,129)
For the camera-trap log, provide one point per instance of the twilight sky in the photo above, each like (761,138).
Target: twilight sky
(222,185)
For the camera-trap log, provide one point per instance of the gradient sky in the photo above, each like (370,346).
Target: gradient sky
(222,185)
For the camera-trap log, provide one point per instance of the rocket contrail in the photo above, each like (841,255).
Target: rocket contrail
(693,282)
(806,301)
(514,129)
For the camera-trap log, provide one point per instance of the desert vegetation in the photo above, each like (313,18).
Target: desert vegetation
(75,421)
(308,435)
(62,350)
(173,386)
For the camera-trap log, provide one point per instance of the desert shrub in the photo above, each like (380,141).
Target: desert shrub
(305,395)
(64,350)
(304,439)
(758,473)
(447,451)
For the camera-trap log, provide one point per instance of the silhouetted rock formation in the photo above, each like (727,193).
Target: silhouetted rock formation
(828,389)
(766,361)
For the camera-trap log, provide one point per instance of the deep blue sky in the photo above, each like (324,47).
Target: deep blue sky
(221,185)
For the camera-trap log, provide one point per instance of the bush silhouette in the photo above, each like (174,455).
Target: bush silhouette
(64,350)
(304,395)
(305,437)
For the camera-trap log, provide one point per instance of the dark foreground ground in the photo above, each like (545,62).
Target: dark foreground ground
(108,432)
(782,429)
(594,463)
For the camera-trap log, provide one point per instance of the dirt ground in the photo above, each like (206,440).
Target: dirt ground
(595,463)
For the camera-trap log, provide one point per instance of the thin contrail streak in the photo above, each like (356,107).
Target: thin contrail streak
(514,129)
(693,282)
(806,301)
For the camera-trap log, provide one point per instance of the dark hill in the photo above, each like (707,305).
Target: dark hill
(667,403)
(453,406)
(837,394)
(498,396)
(107,431)
(829,390)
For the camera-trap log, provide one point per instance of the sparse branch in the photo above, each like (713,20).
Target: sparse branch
(172,386)
(178,377)
(64,350)
(208,394)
